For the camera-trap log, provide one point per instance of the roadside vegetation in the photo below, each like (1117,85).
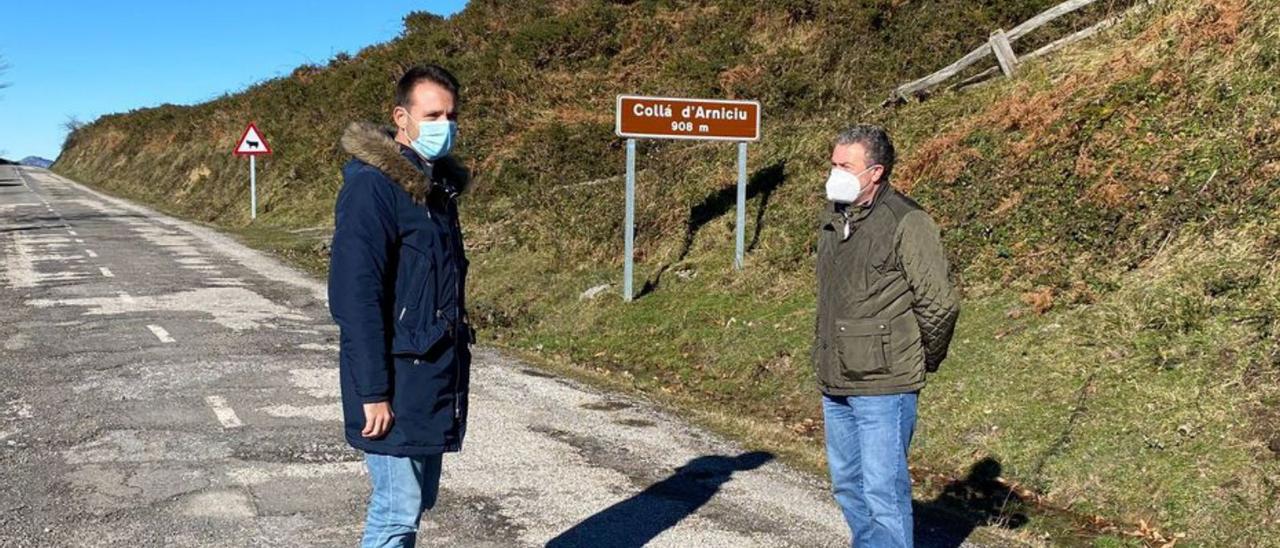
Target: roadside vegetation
(1110,213)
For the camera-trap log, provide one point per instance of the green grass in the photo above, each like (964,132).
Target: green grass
(1129,184)
(1140,401)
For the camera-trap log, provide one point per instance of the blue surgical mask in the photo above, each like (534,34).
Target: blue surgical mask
(435,139)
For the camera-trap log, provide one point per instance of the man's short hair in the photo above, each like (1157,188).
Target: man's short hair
(873,138)
(429,73)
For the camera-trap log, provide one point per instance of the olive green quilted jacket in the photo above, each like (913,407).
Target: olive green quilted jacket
(886,306)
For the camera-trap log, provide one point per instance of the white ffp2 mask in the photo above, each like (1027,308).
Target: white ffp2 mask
(844,187)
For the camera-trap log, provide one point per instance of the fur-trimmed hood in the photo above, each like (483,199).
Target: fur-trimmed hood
(375,145)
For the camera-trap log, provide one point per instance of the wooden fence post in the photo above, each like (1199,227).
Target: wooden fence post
(999,44)
(1004,52)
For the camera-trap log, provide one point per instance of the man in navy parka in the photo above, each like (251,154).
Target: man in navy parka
(396,290)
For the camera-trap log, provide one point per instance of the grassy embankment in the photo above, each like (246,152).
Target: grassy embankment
(1110,214)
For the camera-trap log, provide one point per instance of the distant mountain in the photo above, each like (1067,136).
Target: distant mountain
(36,161)
(6,162)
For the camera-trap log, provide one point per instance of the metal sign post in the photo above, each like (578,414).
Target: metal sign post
(694,119)
(253,187)
(630,221)
(740,231)
(252,144)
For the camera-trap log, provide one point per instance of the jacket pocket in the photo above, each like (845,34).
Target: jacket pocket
(861,345)
(417,325)
(412,276)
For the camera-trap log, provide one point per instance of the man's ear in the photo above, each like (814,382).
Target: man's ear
(401,118)
(879,174)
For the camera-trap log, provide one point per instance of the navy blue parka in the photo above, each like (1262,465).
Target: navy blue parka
(397,284)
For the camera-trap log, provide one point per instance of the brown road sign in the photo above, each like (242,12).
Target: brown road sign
(700,119)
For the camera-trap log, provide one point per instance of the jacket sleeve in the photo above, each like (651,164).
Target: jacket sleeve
(363,239)
(924,263)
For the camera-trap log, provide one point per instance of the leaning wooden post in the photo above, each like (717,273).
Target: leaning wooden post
(1004,52)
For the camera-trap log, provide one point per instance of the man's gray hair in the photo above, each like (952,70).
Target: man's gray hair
(876,140)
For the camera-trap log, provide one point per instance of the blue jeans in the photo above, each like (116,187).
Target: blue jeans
(867,441)
(403,487)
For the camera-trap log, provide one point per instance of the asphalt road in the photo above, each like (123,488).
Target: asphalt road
(161,384)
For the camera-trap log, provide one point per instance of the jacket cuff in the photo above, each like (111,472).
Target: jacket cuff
(375,396)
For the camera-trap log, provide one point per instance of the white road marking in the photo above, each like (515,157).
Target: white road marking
(325,412)
(170,239)
(18,341)
(233,282)
(91,254)
(126,298)
(161,334)
(258,474)
(317,382)
(106,272)
(24,251)
(238,309)
(72,232)
(79,241)
(60,257)
(227,246)
(226,415)
(20,409)
(51,240)
(62,277)
(17,205)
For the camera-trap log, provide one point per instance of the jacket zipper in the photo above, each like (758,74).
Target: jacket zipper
(457,303)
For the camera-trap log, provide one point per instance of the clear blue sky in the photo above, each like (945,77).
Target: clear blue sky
(86,59)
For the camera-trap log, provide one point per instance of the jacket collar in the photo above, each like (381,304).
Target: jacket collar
(375,145)
(843,218)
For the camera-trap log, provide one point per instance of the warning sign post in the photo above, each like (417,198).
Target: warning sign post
(640,117)
(252,144)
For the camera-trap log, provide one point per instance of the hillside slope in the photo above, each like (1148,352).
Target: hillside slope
(1111,214)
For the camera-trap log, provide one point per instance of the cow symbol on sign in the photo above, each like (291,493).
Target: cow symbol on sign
(252,143)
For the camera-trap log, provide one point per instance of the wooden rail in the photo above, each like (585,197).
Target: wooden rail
(1000,44)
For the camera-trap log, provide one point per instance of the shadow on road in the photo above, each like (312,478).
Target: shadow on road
(641,518)
(978,500)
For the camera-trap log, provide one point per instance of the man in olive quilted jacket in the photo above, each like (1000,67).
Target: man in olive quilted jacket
(886,312)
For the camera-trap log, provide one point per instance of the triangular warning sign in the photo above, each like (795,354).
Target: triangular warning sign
(252,142)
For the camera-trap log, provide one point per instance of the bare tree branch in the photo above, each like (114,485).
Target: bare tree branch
(72,124)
